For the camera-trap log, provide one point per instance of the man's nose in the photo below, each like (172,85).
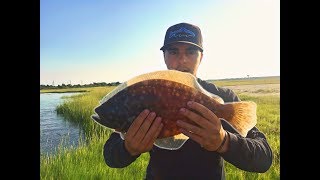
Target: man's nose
(182,57)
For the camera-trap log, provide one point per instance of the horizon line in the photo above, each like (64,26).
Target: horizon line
(205,80)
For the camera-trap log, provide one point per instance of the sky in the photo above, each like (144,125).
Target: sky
(86,41)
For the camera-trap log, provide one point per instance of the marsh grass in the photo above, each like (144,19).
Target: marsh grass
(86,161)
(249,81)
(79,108)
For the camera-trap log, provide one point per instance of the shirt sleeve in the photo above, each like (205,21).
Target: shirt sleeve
(251,153)
(115,154)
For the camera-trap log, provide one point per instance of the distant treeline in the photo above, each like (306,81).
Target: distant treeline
(63,86)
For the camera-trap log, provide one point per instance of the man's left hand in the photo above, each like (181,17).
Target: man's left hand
(207,130)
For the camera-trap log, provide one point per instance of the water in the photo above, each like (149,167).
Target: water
(53,127)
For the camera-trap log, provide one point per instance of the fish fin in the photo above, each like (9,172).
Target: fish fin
(241,115)
(96,118)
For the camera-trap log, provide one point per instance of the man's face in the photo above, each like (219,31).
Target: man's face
(183,57)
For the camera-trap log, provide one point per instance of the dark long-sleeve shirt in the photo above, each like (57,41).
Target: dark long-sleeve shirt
(251,153)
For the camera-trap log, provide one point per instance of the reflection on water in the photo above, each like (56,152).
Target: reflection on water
(53,128)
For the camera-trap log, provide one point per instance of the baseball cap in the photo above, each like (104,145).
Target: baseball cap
(185,33)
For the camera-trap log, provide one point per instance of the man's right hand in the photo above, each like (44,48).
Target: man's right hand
(142,133)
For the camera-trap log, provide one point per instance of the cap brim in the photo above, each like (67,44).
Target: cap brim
(187,42)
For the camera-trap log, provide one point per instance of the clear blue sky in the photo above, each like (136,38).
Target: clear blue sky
(83,41)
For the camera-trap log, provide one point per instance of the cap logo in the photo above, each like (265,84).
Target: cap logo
(182,32)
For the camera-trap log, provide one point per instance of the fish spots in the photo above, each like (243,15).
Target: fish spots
(145,83)
(161,96)
(184,97)
(168,83)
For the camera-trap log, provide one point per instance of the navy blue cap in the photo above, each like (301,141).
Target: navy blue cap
(185,33)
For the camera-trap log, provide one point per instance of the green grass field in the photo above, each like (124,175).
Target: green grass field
(249,81)
(86,161)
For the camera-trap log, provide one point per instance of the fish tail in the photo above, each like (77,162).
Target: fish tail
(241,115)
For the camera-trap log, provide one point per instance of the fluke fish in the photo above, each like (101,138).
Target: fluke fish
(165,92)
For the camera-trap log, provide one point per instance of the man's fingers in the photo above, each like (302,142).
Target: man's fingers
(189,127)
(157,132)
(198,119)
(202,110)
(152,131)
(151,142)
(194,137)
(145,127)
(134,127)
(154,136)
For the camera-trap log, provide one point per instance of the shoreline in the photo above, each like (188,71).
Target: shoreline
(73,91)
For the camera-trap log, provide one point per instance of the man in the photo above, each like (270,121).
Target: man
(212,140)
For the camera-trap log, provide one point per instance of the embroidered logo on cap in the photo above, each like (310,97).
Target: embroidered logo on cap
(182,32)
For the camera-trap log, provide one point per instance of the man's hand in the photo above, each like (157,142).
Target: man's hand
(208,131)
(142,133)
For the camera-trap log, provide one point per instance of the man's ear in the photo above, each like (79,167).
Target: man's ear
(201,56)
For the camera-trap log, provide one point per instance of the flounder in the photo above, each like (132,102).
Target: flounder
(165,92)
